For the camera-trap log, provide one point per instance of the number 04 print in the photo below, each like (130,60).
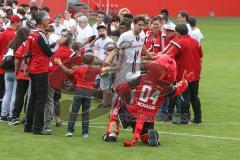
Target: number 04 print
(147,94)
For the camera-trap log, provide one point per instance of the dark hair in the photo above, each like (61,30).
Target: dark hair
(164,11)
(88,58)
(24,5)
(21,36)
(123,23)
(182,29)
(64,30)
(21,11)
(76,46)
(39,16)
(116,19)
(99,12)
(45,8)
(136,19)
(157,18)
(15,1)
(51,28)
(70,11)
(192,21)
(69,39)
(128,15)
(9,3)
(184,14)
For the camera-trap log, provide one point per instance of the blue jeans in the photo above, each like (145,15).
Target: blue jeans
(164,107)
(10,94)
(77,102)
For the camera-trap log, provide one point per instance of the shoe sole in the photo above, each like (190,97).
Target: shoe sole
(152,139)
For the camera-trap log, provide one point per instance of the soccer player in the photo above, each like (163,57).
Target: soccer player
(196,33)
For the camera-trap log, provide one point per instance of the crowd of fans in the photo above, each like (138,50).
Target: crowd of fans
(33,45)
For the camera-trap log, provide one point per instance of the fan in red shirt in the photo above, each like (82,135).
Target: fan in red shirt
(188,55)
(5,37)
(84,77)
(151,90)
(156,38)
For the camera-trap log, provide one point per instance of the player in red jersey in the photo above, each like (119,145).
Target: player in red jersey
(151,90)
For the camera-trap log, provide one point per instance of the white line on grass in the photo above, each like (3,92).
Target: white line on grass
(186,134)
(169,123)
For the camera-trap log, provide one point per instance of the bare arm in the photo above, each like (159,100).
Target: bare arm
(65,69)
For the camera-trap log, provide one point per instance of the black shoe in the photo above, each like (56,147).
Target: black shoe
(195,121)
(27,129)
(43,132)
(153,138)
(3,119)
(108,138)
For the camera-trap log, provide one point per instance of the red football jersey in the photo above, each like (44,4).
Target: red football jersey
(84,76)
(149,95)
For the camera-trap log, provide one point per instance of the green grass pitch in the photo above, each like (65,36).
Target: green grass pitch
(218,138)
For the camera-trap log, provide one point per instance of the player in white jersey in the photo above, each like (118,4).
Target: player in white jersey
(131,43)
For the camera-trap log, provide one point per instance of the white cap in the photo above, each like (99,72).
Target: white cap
(170,27)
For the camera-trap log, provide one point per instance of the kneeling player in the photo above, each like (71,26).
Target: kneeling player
(151,91)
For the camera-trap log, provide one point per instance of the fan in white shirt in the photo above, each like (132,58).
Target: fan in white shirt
(99,21)
(69,23)
(196,33)
(57,24)
(84,30)
(183,18)
(101,43)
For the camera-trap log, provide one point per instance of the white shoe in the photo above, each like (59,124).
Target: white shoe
(85,136)
(69,134)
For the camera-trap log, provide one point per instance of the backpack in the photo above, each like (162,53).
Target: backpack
(8,60)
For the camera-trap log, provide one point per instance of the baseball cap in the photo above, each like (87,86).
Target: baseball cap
(15,19)
(170,27)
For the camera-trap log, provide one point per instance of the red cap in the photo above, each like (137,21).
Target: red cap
(15,19)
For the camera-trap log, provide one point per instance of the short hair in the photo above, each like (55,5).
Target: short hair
(83,19)
(182,29)
(45,8)
(21,11)
(39,16)
(128,15)
(116,19)
(164,11)
(136,19)
(51,28)
(76,46)
(99,12)
(184,14)
(192,21)
(88,57)
(69,39)
(157,18)
(57,16)
(24,5)
(15,1)
(123,23)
